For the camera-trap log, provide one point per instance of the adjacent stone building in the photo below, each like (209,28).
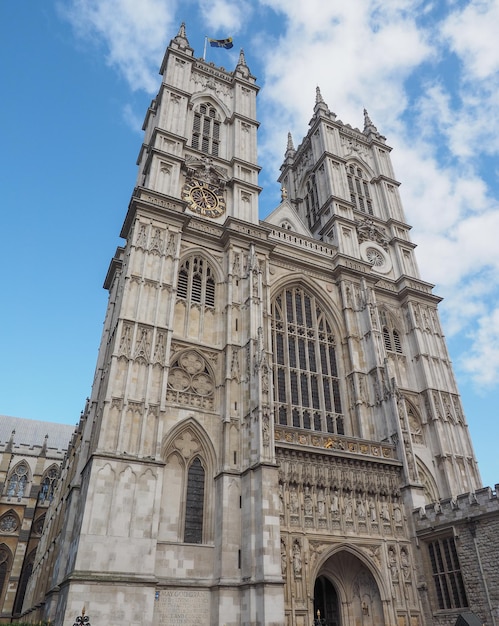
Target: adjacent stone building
(31,453)
(273,399)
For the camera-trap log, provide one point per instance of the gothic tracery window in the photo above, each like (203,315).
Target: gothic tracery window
(306,382)
(358,186)
(48,484)
(18,481)
(206,130)
(196,283)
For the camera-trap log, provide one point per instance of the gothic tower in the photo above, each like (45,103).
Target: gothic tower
(272,398)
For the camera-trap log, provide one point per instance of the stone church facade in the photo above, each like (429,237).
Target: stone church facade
(274,414)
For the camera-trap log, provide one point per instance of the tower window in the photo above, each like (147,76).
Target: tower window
(196,282)
(358,187)
(194,503)
(312,201)
(18,481)
(391,336)
(307,388)
(447,578)
(206,130)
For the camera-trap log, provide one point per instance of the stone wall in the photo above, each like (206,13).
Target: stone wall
(472,519)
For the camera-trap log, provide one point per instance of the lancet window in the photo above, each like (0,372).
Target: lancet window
(206,130)
(194,503)
(196,282)
(5,561)
(358,186)
(312,201)
(391,336)
(306,383)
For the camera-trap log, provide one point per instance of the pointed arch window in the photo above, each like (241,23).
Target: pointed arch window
(391,336)
(18,482)
(206,130)
(23,582)
(194,503)
(196,282)
(358,186)
(48,484)
(307,386)
(312,201)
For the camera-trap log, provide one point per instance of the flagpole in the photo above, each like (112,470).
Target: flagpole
(204,51)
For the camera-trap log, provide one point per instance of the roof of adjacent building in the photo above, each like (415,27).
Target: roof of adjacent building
(32,432)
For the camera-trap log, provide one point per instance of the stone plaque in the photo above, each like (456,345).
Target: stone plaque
(183,607)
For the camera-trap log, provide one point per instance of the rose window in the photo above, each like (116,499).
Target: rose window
(375,257)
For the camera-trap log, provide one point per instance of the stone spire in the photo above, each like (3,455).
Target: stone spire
(290,147)
(369,127)
(242,67)
(320,105)
(181,38)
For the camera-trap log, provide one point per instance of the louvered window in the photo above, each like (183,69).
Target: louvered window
(196,282)
(307,387)
(358,187)
(206,130)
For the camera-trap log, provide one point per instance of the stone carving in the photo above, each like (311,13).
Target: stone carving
(297,562)
(284,558)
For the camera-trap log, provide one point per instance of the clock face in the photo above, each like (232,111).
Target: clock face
(204,198)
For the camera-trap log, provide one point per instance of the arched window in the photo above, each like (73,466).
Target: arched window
(306,383)
(206,130)
(47,486)
(18,481)
(312,201)
(194,503)
(391,336)
(5,560)
(359,190)
(196,283)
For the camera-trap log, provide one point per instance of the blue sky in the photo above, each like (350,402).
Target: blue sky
(77,77)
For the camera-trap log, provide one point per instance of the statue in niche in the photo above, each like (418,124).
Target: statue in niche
(297,559)
(281,499)
(392,564)
(284,558)
(397,513)
(308,502)
(348,510)
(404,563)
(294,505)
(372,510)
(361,509)
(385,512)
(321,508)
(335,502)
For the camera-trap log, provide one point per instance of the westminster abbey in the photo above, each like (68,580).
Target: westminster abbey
(274,435)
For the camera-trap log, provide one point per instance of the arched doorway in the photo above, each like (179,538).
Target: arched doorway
(326,602)
(346,592)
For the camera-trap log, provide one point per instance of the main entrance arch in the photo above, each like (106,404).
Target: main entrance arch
(346,592)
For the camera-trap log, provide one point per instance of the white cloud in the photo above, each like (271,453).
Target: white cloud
(482,363)
(223,15)
(472,34)
(134,33)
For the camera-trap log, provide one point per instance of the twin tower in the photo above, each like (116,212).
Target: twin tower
(272,399)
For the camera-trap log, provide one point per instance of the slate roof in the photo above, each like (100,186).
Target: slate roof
(32,432)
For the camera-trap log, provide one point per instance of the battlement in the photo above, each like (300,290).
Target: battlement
(458,509)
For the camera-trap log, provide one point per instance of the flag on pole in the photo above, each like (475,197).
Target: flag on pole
(221,43)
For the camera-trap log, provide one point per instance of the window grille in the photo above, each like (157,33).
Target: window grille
(447,578)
